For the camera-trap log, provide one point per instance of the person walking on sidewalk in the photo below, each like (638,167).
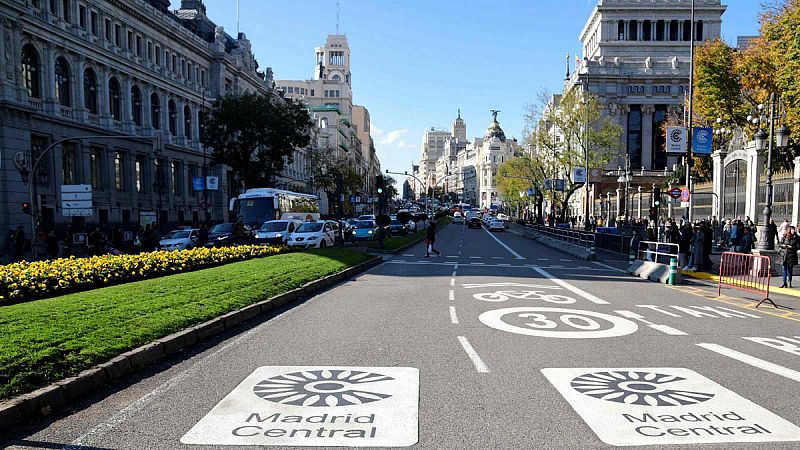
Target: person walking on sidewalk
(789,244)
(431,238)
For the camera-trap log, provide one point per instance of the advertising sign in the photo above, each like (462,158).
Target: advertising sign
(197,183)
(702,140)
(579,175)
(676,140)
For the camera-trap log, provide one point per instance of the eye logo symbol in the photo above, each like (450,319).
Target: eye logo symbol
(321,388)
(637,388)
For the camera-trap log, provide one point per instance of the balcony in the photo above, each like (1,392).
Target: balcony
(35,103)
(65,111)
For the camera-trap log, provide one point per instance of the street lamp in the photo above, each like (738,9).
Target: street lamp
(762,140)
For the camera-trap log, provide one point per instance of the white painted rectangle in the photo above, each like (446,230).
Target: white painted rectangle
(76,196)
(662,406)
(76,188)
(316,406)
(78,212)
(76,204)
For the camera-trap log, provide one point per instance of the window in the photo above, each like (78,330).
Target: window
(119,171)
(138,46)
(647,28)
(312,92)
(158,55)
(82,16)
(687,30)
(108,29)
(30,71)
(175,169)
(635,136)
(130,41)
(67,163)
(187,122)
(65,11)
(336,58)
(698,34)
(118,35)
(136,104)
(95,168)
(173,117)
(659,30)
(633,30)
(139,174)
(149,51)
(93,23)
(155,112)
(90,91)
(62,82)
(38,144)
(620,31)
(673,30)
(336,78)
(54,7)
(201,122)
(115,99)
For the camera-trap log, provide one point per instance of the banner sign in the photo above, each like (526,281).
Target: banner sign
(560,183)
(676,140)
(197,183)
(212,183)
(701,141)
(579,175)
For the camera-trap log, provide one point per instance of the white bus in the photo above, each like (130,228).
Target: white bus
(257,206)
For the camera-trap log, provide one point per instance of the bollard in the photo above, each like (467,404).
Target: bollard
(673,271)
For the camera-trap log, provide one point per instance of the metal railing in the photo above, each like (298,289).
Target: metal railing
(579,238)
(652,251)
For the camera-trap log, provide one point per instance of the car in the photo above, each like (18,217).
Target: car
(458,218)
(221,235)
(365,230)
(496,224)
(505,219)
(474,222)
(181,239)
(276,232)
(396,227)
(367,217)
(314,235)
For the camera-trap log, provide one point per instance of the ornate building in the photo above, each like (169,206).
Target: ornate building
(130,70)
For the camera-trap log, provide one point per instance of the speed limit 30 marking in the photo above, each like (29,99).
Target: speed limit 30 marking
(558,323)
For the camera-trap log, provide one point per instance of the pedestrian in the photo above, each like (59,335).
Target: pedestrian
(19,244)
(746,242)
(684,245)
(431,238)
(789,244)
(51,243)
(708,245)
(697,249)
(782,229)
(148,239)
(40,246)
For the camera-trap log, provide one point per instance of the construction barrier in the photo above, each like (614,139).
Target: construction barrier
(745,272)
(654,261)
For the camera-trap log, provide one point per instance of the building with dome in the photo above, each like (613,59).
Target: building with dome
(491,151)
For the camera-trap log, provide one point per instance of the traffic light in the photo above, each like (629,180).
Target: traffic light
(657,197)
(26,207)
(379,184)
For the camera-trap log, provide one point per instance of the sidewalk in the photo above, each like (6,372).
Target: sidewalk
(713,275)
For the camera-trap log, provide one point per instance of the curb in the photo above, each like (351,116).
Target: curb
(44,401)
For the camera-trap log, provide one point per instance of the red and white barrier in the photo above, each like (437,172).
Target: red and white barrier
(745,272)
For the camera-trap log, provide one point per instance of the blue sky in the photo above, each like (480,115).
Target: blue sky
(415,63)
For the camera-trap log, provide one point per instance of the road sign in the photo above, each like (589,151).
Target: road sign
(344,406)
(579,175)
(76,204)
(76,196)
(674,192)
(665,405)
(212,183)
(76,188)
(685,194)
(548,184)
(78,212)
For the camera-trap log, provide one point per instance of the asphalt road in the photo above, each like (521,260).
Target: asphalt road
(498,343)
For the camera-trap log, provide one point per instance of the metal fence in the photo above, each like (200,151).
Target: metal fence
(659,252)
(580,238)
(782,196)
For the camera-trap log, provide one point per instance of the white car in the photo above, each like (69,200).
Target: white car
(458,218)
(276,232)
(314,235)
(367,217)
(496,224)
(181,239)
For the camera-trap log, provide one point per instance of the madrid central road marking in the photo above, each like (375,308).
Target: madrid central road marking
(316,406)
(666,329)
(665,405)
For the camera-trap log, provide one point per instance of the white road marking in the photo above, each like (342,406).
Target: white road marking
(609,267)
(504,264)
(656,308)
(473,355)
(497,257)
(543,259)
(452,295)
(666,329)
(570,287)
(451,256)
(565,260)
(753,361)
(629,314)
(452,281)
(453,316)
(409,254)
(475,257)
(510,250)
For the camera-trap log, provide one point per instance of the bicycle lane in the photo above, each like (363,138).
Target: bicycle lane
(516,334)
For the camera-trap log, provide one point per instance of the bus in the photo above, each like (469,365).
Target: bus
(256,206)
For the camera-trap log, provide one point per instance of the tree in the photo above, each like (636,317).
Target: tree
(557,157)
(334,174)
(718,90)
(390,187)
(256,135)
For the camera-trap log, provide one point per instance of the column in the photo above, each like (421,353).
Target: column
(718,162)
(619,205)
(102,96)
(670,210)
(647,136)
(164,117)
(639,190)
(755,167)
(79,104)
(147,123)
(127,105)
(130,163)
(49,78)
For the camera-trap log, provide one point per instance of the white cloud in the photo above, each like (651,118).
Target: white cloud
(392,137)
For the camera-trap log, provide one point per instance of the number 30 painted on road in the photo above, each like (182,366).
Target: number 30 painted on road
(559,323)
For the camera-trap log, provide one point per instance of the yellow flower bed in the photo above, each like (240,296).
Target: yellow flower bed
(24,280)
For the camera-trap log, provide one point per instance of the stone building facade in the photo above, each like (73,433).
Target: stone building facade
(126,72)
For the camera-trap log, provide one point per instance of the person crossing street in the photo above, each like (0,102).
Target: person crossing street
(431,238)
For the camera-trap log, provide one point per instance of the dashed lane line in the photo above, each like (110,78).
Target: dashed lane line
(609,267)
(453,316)
(753,361)
(473,355)
(451,295)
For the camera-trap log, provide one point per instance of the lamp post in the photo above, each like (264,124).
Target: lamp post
(626,179)
(767,242)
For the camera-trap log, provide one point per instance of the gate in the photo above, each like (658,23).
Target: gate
(733,204)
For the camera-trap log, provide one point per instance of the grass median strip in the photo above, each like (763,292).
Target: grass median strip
(46,340)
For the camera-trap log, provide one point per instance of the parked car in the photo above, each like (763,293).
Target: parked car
(398,228)
(458,218)
(276,232)
(496,224)
(314,235)
(181,239)
(366,230)
(221,235)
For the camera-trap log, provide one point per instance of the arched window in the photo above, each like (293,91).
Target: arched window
(30,71)
(173,117)
(90,91)
(136,104)
(115,99)
(62,82)
(336,78)
(323,122)
(155,112)
(187,122)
